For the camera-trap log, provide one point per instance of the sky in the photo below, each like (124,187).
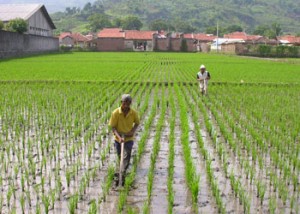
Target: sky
(51,5)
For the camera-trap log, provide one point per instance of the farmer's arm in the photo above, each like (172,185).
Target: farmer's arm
(136,125)
(208,76)
(116,133)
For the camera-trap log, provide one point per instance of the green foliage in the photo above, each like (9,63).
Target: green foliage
(131,23)
(1,25)
(160,24)
(184,27)
(183,47)
(197,15)
(17,25)
(274,51)
(98,22)
(264,50)
(222,30)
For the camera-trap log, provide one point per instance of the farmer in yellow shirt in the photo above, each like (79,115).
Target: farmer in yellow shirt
(124,122)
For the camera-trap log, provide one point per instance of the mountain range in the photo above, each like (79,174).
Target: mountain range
(201,14)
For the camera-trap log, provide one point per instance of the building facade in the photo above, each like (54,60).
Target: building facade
(36,16)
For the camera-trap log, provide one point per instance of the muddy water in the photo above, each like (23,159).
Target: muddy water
(182,197)
(231,203)
(138,194)
(206,202)
(159,201)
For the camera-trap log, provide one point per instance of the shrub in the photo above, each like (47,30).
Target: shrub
(292,51)
(184,47)
(280,51)
(264,50)
(17,25)
(1,25)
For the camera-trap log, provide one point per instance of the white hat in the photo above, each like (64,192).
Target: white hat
(202,66)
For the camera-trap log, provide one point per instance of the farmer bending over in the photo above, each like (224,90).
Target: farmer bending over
(124,122)
(203,76)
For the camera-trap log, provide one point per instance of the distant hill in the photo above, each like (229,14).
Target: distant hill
(200,14)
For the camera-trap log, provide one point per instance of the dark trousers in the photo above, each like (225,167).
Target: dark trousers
(127,154)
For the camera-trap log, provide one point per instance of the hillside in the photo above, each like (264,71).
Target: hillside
(199,14)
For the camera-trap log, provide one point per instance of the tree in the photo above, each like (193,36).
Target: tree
(117,22)
(17,25)
(213,30)
(234,28)
(184,27)
(160,25)
(1,25)
(71,11)
(276,29)
(98,21)
(132,23)
(261,30)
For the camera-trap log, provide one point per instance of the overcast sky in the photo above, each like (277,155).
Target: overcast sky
(51,5)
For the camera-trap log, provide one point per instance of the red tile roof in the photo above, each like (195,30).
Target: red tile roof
(200,36)
(111,33)
(64,34)
(78,37)
(291,39)
(140,35)
(242,35)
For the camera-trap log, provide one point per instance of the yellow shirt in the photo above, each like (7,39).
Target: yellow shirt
(124,124)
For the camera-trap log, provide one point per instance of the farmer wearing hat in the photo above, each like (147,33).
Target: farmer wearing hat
(203,76)
(124,122)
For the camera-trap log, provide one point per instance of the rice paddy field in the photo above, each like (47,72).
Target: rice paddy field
(236,150)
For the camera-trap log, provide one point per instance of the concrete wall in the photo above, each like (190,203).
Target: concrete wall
(110,44)
(162,44)
(176,44)
(191,47)
(15,44)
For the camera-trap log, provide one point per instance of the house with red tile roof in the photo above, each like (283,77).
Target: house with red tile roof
(289,40)
(247,38)
(110,39)
(70,39)
(202,37)
(201,41)
(139,40)
(111,33)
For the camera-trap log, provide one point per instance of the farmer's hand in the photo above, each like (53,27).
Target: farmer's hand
(130,134)
(122,139)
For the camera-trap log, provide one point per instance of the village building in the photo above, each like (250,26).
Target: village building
(69,39)
(36,16)
(139,40)
(201,42)
(110,39)
(289,40)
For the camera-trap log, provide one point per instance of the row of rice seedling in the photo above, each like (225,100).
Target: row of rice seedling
(192,178)
(42,171)
(171,155)
(215,187)
(140,149)
(156,147)
(261,156)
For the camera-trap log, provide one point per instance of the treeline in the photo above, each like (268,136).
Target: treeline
(273,51)
(251,16)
